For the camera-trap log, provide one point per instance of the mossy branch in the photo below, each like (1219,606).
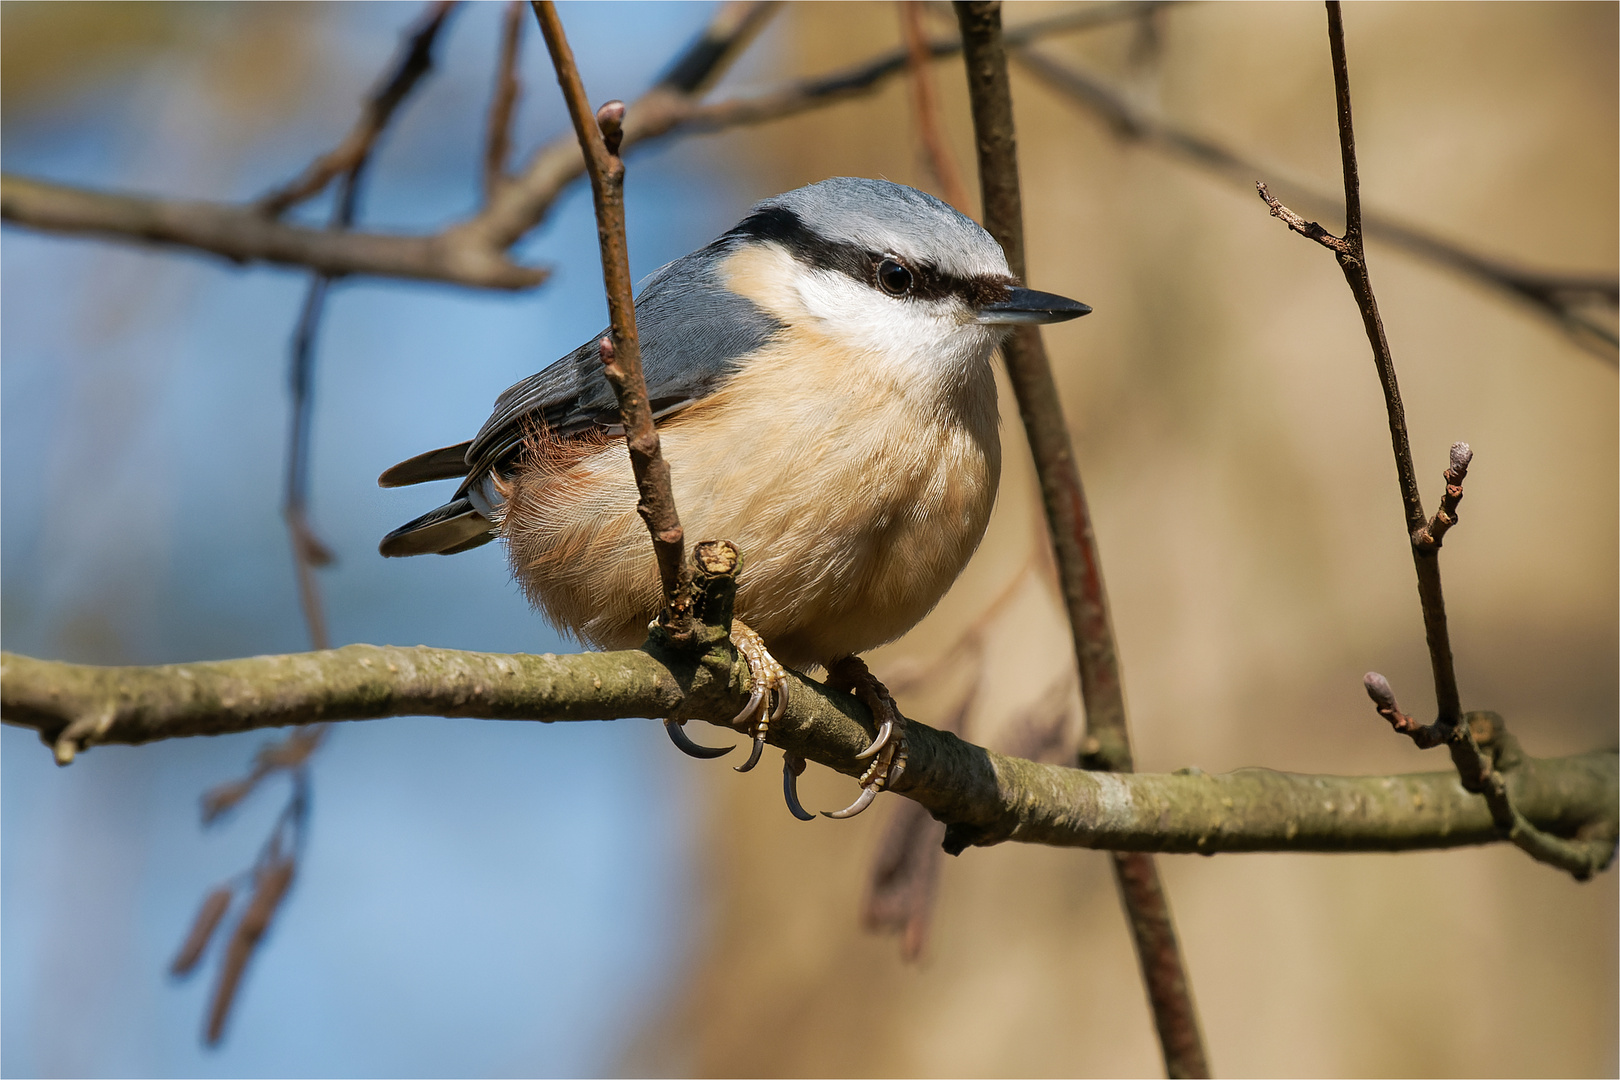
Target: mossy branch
(983,796)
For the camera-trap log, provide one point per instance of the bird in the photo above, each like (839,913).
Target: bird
(820,376)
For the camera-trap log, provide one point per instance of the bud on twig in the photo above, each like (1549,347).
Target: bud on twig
(610,118)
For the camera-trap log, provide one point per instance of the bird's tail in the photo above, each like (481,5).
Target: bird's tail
(454,527)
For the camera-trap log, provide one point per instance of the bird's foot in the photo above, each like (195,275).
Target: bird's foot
(770,680)
(888,748)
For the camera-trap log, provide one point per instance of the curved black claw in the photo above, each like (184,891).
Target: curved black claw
(684,743)
(868,793)
(753,755)
(792,766)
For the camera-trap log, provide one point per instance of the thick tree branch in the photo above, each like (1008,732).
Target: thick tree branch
(986,797)
(473,252)
(470,253)
(1073,540)
(243,235)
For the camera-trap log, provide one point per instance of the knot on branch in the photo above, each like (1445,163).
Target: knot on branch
(1484,754)
(697,647)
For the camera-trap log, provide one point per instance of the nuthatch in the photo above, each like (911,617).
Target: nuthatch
(821,380)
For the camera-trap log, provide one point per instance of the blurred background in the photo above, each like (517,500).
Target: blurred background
(517,899)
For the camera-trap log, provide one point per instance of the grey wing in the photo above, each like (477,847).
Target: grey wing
(693,330)
(694,333)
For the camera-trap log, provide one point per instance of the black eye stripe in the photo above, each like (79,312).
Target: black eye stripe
(928,282)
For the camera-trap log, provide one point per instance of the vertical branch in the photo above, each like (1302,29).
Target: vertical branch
(1069,520)
(925,107)
(599,139)
(498,134)
(1479,757)
(308,550)
(1353,261)
(349,161)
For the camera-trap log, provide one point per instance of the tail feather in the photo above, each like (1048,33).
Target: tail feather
(455,526)
(443,464)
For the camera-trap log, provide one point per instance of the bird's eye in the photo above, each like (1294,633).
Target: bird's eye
(893,277)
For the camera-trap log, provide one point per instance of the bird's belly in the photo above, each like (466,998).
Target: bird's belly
(852,522)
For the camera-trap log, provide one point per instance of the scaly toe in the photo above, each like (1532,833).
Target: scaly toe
(769,678)
(883,772)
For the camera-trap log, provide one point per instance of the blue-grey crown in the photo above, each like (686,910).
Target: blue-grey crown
(885,217)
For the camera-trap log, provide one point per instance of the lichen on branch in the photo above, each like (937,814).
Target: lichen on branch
(984,797)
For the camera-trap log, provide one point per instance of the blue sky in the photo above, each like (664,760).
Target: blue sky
(477,898)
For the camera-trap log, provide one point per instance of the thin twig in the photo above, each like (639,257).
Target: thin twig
(925,108)
(292,753)
(522,204)
(1074,543)
(270,887)
(508,86)
(600,136)
(866,77)
(1352,259)
(1557,296)
(308,550)
(414,61)
(1432,534)
(474,252)
(1476,769)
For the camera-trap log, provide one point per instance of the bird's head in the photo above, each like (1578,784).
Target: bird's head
(886,271)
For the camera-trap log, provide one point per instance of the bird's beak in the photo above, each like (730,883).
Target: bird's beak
(1026,306)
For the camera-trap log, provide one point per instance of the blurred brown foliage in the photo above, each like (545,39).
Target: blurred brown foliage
(1233,440)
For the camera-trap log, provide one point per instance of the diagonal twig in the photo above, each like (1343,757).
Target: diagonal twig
(600,137)
(1074,543)
(498,131)
(277,865)
(1557,296)
(522,204)
(925,109)
(414,61)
